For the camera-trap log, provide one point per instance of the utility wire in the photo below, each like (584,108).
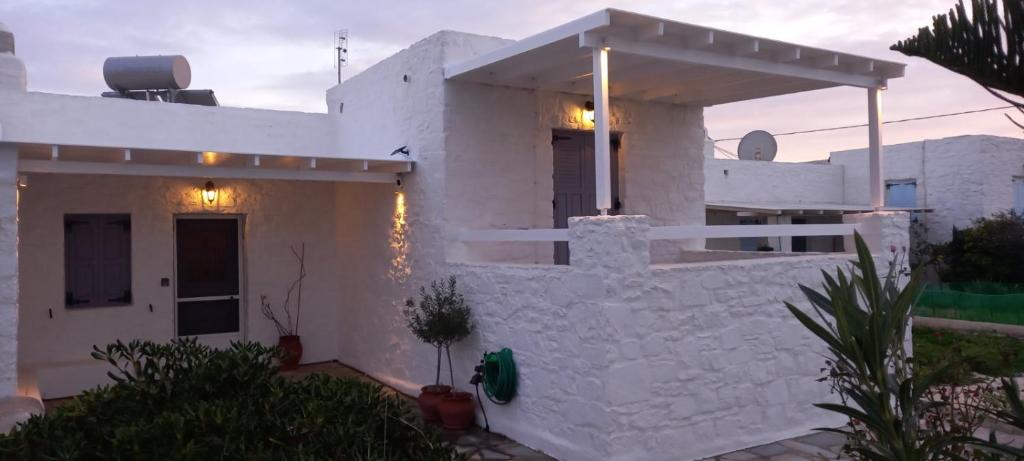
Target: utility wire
(846,127)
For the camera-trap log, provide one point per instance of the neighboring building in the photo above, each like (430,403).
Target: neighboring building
(957,180)
(950,182)
(157,220)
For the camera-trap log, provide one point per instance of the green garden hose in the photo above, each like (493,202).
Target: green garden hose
(499,378)
(497,372)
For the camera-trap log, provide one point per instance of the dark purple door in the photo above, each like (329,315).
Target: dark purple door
(208,276)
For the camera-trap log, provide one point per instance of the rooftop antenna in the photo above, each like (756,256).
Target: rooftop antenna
(341,50)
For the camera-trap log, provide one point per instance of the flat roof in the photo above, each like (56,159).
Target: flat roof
(656,59)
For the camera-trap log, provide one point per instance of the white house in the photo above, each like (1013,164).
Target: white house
(952,181)
(637,344)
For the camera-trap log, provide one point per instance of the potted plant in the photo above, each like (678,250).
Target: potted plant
(288,325)
(442,318)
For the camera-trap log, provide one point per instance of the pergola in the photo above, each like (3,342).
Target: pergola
(623,55)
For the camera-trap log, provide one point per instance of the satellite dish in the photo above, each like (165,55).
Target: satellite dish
(758,145)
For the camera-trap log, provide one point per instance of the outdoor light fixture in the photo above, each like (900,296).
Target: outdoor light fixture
(210,192)
(588,111)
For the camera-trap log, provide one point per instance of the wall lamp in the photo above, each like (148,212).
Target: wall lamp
(588,111)
(210,192)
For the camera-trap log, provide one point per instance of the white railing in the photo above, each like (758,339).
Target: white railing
(668,232)
(751,230)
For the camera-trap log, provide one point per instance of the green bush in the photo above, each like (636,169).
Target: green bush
(992,250)
(185,401)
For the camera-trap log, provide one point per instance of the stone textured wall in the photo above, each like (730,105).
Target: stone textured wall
(276,214)
(9,263)
(962,178)
(621,359)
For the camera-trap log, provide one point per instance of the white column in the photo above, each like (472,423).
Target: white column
(877,185)
(602,138)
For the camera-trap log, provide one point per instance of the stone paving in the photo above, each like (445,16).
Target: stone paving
(817,446)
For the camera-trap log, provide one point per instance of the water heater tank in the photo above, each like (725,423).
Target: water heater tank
(147,73)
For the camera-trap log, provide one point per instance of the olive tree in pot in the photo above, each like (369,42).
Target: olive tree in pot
(440,319)
(287,324)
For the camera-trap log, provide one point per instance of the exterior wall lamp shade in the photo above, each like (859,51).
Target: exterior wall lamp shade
(588,111)
(210,192)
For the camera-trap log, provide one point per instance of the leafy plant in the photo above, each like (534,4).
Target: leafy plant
(441,318)
(991,250)
(986,46)
(285,326)
(863,320)
(186,401)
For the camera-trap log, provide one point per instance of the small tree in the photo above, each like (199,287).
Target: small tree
(986,46)
(441,318)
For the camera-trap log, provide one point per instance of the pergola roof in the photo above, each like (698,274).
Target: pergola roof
(654,59)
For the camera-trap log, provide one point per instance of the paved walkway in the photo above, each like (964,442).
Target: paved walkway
(475,443)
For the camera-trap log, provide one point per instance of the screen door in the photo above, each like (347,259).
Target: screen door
(208,278)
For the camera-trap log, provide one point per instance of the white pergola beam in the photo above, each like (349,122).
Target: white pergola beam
(877,183)
(197,171)
(828,61)
(747,47)
(127,155)
(54,152)
(659,51)
(600,19)
(788,55)
(700,40)
(602,136)
(863,67)
(651,32)
(254,161)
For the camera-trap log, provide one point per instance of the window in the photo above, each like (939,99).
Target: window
(1018,194)
(901,194)
(97,260)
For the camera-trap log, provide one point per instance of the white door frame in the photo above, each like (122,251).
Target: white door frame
(218,339)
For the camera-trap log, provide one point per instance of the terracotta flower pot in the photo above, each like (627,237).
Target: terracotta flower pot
(458,411)
(429,398)
(292,347)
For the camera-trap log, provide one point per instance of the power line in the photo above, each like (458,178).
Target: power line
(727,153)
(846,127)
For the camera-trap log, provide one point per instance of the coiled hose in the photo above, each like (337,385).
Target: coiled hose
(499,376)
(497,372)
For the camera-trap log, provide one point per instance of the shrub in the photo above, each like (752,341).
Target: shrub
(992,250)
(185,401)
(863,318)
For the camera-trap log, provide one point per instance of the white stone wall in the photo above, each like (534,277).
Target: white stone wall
(9,276)
(961,178)
(755,182)
(619,359)
(276,214)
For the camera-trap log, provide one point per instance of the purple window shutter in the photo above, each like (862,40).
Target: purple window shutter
(97,252)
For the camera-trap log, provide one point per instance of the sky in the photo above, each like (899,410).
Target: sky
(278,54)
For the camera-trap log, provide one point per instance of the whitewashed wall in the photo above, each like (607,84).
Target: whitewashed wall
(961,178)
(9,275)
(755,182)
(277,214)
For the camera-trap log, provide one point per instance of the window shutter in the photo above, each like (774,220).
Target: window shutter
(97,260)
